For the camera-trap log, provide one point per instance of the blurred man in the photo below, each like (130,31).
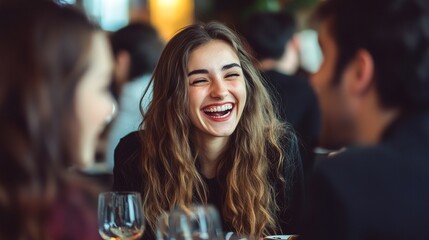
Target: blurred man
(373,88)
(136,48)
(271,39)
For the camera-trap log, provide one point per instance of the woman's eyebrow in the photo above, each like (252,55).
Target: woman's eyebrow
(228,66)
(198,71)
(205,71)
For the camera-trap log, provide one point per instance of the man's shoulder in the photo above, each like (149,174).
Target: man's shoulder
(355,155)
(356,163)
(369,187)
(363,169)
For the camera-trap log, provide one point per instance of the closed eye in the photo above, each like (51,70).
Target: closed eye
(198,81)
(232,75)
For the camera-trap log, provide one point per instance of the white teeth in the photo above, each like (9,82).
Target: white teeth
(222,108)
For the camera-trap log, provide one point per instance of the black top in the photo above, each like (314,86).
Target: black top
(377,192)
(127,177)
(298,105)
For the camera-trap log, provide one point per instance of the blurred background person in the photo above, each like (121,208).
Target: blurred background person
(272,41)
(373,89)
(55,71)
(136,49)
(211,135)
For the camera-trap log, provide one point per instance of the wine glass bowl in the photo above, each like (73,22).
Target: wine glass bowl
(120,215)
(162,227)
(194,222)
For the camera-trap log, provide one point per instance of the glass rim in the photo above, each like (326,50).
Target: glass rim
(119,193)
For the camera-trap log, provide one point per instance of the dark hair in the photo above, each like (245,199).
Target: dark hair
(44,53)
(268,33)
(144,45)
(396,34)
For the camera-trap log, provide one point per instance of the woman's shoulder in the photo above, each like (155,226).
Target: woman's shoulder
(290,192)
(128,149)
(289,142)
(292,162)
(126,170)
(130,141)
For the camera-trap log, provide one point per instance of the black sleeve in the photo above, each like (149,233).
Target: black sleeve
(291,199)
(126,174)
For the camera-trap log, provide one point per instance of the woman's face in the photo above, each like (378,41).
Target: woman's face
(94,103)
(217,89)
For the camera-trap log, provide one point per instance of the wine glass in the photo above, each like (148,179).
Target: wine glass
(162,228)
(120,215)
(189,223)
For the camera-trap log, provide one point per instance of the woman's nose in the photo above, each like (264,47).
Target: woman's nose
(219,89)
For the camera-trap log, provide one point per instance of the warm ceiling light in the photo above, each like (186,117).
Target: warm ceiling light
(168,16)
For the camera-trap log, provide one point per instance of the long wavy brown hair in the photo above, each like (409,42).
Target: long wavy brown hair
(43,56)
(169,157)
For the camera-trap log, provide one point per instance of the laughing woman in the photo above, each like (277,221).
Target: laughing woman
(211,135)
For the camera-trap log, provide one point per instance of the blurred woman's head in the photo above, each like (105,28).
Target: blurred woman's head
(94,104)
(54,75)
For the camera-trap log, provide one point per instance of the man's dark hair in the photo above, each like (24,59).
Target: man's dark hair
(268,33)
(144,45)
(396,34)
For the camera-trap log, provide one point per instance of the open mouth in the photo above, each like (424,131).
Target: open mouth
(220,111)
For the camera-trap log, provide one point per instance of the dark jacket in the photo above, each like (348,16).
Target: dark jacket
(378,192)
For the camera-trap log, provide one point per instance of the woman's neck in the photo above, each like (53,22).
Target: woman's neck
(209,149)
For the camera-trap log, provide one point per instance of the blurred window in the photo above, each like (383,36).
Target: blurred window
(110,14)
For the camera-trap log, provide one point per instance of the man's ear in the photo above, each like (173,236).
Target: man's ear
(122,66)
(294,41)
(362,72)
